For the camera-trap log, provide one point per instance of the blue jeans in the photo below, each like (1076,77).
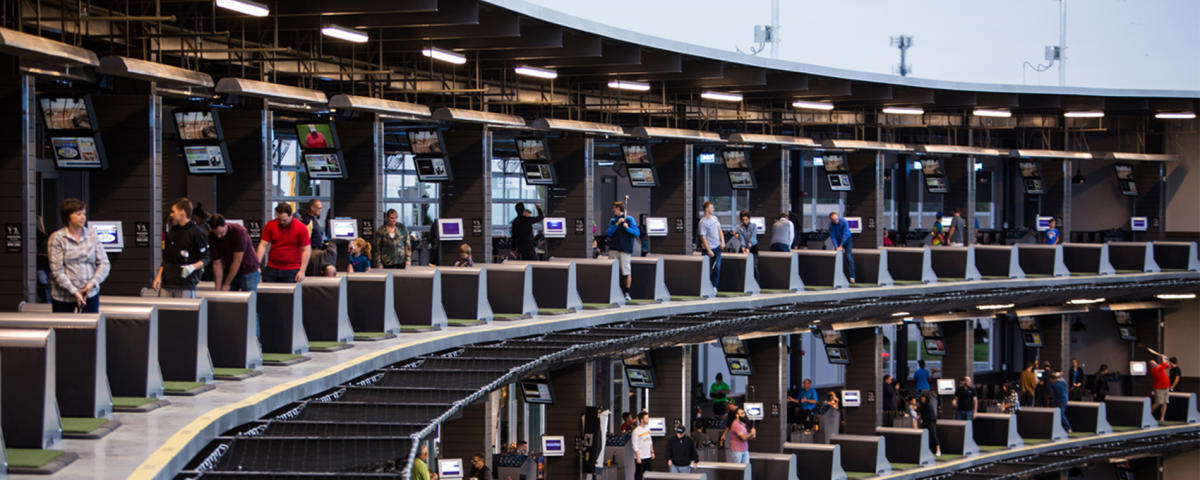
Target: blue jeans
(271,275)
(741,457)
(92,306)
(714,264)
(1062,409)
(849,257)
(779,247)
(964,415)
(246,282)
(683,469)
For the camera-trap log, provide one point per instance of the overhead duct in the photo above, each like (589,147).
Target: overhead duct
(773,140)
(866,145)
(32,46)
(270,91)
(578,126)
(959,150)
(1053,154)
(154,72)
(378,105)
(677,133)
(1142,157)
(476,116)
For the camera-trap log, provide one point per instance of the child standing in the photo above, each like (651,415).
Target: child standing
(464,256)
(360,256)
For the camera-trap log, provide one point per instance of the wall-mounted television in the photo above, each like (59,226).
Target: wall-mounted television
(737,356)
(206,159)
(935,347)
(316,135)
(1028,324)
(532,149)
(834,164)
(197,125)
(931,330)
(343,228)
(1031,339)
(426,141)
(639,371)
(644,177)
(839,182)
(936,185)
(1034,186)
(735,159)
(539,173)
(837,355)
(433,169)
(78,152)
(324,166)
(537,390)
(832,337)
(932,167)
(1129,188)
(741,179)
(656,226)
(739,366)
(67,113)
(1124,171)
(637,154)
(110,234)
(1029,169)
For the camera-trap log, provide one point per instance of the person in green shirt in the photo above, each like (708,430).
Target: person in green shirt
(718,392)
(420,470)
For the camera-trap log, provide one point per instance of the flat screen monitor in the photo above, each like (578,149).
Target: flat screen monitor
(1032,339)
(735,159)
(450,229)
(343,228)
(936,185)
(1034,186)
(834,163)
(1129,188)
(66,113)
(854,224)
(932,167)
(1137,224)
(538,173)
(706,158)
(316,136)
(739,366)
(657,426)
(832,337)
(935,347)
(1123,318)
(554,227)
(947,221)
(636,154)
(640,360)
(205,159)
(656,226)
(1124,171)
(754,410)
(1137,369)
(537,391)
(642,177)
(324,166)
(851,398)
(837,355)
(760,224)
(553,445)
(1043,223)
(110,234)
(640,377)
(450,468)
(1029,169)
(196,125)
(433,169)
(741,179)
(733,346)
(77,153)
(532,149)
(1127,333)
(839,182)
(945,386)
(1028,324)
(425,141)
(931,330)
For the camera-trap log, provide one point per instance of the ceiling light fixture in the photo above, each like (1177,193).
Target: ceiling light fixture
(901,314)
(997,306)
(536,72)
(626,85)
(1175,115)
(1085,114)
(1085,301)
(987,112)
(444,55)
(721,96)
(247,7)
(812,105)
(904,110)
(1175,296)
(347,34)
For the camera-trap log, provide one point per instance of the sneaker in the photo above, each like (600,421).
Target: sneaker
(939,451)
(627,297)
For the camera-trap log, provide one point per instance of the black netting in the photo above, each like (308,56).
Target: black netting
(400,394)
(369,412)
(286,454)
(339,429)
(473,364)
(440,379)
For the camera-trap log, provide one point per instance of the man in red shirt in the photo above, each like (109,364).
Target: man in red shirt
(1162,386)
(289,244)
(315,139)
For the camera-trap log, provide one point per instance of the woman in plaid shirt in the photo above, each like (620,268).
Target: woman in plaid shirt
(78,263)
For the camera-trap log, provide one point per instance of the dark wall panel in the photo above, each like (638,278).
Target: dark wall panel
(960,350)
(861,201)
(665,400)
(671,197)
(864,374)
(769,368)
(356,196)
(241,195)
(1056,347)
(767,200)
(463,436)
(569,198)
(563,418)
(124,191)
(13,206)
(465,197)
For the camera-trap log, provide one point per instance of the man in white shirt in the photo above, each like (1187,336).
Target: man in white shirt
(643,446)
(783,234)
(712,241)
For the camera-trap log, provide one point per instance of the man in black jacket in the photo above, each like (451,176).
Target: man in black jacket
(479,470)
(522,232)
(184,255)
(681,452)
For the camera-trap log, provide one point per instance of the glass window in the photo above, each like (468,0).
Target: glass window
(509,188)
(290,180)
(415,202)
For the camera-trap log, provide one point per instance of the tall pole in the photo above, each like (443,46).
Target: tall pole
(774,29)
(1062,43)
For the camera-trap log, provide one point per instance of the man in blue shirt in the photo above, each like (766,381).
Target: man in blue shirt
(1052,233)
(1058,388)
(839,233)
(921,377)
(622,229)
(808,401)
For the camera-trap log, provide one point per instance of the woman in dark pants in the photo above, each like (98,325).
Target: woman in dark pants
(78,263)
(929,420)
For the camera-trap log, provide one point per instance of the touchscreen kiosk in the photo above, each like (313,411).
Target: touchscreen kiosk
(450,229)
(706,158)
(741,179)
(936,185)
(553,445)
(205,159)
(1137,224)
(110,234)
(945,386)
(196,125)
(432,169)
(656,226)
(343,228)
(1033,186)
(425,142)
(316,135)
(77,152)
(1129,189)
(658,426)
(854,224)
(947,221)
(839,182)
(1031,339)
(538,173)
(324,166)
(754,410)
(760,224)
(554,227)
(642,177)
(537,391)
(1137,369)
(1043,223)
(837,355)
(851,398)
(450,468)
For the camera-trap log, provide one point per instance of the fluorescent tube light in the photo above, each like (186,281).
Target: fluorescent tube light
(444,55)
(721,96)
(536,72)
(904,110)
(812,105)
(1084,114)
(247,7)
(1175,296)
(1085,301)
(625,85)
(986,112)
(1175,115)
(347,34)
(1002,306)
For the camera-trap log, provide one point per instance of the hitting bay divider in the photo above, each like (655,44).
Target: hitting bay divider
(1090,417)
(957,437)
(1132,257)
(911,264)
(281,320)
(182,335)
(997,430)
(1132,412)
(465,295)
(737,274)
(233,329)
(779,271)
(1181,407)
(871,267)
(998,261)
(418,295)
(597,282)
(1176,256)
(326,317)
(29,406)
(649,282)
(80,373)
(555,285)
(907,445)
(1089,258)
(510,291)
(955,263)
(723,470)
(863,453)
(822,268)
(688,276)
(1042,423)
(1042,260)
(371,303)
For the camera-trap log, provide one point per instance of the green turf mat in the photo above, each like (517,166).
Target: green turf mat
(952,279)
(1170,423)
(598,306)
(1036,441)
(554,311)
(863,285)
(948,457)
(992,448)
(995,277)
(231,372)
(775,290)
(904,466)
(325,345)
(859,474)
(370,335)
(82,425)
(1127,272)
(463,322)
(906,282)
(1125,429)
(1080,434)
(731,294)
(30,458)
(1036,275)
(509,316)
(1082,274)
(682,298)
(280,357)
(640,301)
(174,386)
(818,287)
(134,402)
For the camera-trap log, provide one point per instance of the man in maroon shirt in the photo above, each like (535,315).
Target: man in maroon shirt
(1162,386)
(289,244)
(235,267)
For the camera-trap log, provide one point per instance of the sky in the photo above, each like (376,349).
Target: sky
(1122,44)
